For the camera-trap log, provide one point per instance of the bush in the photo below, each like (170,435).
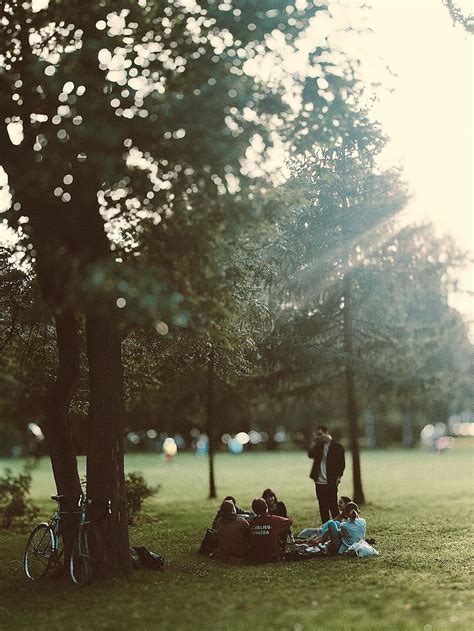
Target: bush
(137,492)
(16,507)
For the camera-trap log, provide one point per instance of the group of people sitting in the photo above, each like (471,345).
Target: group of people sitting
(262,534)
(258,535)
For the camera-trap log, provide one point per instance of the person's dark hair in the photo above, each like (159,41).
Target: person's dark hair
(323,428)
(259,506)
(345,499)
(230,499)
(269,493)
(227,508)
(351,511)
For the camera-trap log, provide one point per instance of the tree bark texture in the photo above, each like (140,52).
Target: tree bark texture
(56,423)
(210,422)
(408,436)
(105,454)
(352,411)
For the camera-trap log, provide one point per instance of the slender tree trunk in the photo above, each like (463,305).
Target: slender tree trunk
(210,421)
(370,432)
(352,411)
(309,418)
(105,454)
(409,428)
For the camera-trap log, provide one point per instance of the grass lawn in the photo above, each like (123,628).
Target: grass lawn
(419,509)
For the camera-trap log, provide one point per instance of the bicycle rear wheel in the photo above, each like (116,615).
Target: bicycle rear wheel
(81,565)
(39,552)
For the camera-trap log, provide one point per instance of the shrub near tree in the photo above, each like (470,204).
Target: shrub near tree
(137,492)
(17,509)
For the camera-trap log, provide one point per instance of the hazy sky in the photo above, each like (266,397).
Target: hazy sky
(428,116)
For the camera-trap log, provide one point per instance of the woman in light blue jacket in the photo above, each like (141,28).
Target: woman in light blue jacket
(350,531)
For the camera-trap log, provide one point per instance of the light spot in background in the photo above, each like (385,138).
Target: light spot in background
(162,328)
(39,5)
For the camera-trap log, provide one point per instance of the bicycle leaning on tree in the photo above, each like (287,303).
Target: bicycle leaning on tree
(44,548)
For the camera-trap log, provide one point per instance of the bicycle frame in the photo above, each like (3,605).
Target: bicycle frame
(56,522)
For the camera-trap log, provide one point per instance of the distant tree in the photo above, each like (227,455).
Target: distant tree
(422,354)
(345,204)
(458,17)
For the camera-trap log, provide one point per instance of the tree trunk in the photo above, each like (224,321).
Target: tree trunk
(56,422)
(210,422)
(370,431)
(409,429)
(105,454)
(352,412)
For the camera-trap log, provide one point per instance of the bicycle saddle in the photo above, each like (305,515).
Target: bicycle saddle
(58,498)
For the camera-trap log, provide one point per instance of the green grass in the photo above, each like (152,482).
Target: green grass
(419,510)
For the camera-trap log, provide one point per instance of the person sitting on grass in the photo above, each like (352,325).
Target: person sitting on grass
(277,508)
(267,533)
(313,536)
(238,509)
(352,530)
(274,506)
(342,502)
(232,533)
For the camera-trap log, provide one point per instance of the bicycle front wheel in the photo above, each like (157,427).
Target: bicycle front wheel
(39,552)
(81,569)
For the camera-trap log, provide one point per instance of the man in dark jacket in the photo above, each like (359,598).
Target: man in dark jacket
(327,470)
(232,533)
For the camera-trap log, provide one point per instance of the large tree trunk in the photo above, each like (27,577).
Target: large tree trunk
(352,411)
(105,455)
(210,422)
(56,422)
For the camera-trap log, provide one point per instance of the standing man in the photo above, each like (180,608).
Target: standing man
(327,470)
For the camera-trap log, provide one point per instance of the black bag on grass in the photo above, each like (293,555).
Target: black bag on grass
(209,543)
(147,559)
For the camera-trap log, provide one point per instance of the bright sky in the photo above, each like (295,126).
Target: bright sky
(429,115)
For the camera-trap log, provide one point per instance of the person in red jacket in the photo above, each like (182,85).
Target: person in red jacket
(265,542)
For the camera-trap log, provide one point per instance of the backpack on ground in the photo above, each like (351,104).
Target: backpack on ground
(209,543)
(147,558)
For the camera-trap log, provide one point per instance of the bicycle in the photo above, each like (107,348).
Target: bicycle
(43,549)
(86,551)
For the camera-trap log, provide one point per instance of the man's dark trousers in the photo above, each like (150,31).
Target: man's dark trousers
(327,498)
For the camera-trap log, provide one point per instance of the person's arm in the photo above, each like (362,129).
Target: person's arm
(283,523)
(282,512)
(343,460)
(312,450)
(214,523)
(341,463)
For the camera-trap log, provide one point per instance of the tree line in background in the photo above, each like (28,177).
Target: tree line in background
(163,275)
